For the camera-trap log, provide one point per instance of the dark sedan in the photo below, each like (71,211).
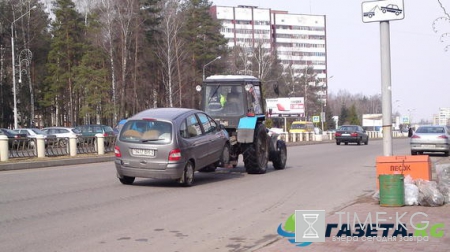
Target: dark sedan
(351,134)
(14,138)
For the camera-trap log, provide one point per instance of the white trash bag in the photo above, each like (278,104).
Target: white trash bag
(429,195)
(443,178)
(411,195)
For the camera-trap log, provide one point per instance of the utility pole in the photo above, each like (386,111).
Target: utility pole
(2,112)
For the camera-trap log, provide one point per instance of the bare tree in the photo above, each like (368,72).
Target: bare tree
(125,15)
(170,49)
(108,19)
(264,59)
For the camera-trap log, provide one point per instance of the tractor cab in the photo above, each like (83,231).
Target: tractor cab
(227,98)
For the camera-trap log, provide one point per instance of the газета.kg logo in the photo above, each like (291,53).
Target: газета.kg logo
(289,231)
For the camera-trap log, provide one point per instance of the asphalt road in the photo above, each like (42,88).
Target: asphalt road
(85,208)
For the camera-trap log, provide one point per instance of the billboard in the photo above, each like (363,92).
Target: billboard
(290,106)
(372,120)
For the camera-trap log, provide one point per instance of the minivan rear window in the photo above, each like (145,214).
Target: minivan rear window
(144,131)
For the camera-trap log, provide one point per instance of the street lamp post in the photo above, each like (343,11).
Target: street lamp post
(204,67)
(14,66)
(410,111)
(324,100)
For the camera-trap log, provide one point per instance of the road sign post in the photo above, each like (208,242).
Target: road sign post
(383,11)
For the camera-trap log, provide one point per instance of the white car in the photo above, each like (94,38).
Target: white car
(32,133)
(63,133)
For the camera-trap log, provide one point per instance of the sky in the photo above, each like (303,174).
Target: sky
(420,64)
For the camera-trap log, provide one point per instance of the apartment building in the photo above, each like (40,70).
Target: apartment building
(443,118)
(298,39)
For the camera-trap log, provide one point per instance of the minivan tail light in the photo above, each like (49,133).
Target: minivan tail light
(117,151)
(175,155)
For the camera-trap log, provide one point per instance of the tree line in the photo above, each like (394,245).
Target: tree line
(98,61)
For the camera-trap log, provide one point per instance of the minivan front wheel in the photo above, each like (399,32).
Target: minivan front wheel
(187,179)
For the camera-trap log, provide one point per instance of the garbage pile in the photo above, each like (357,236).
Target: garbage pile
(429,193)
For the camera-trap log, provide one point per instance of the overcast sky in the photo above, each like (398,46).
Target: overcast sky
(420,65)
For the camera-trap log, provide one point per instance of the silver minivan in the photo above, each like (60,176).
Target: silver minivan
(170,143)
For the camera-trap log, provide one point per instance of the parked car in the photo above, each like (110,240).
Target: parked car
(90,130)
(431,138)
(14,138)
(170,143)
(351,134)
(93,129)
(33,133)
(62,133)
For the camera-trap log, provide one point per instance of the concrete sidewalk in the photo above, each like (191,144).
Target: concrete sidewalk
(436,237)
(365,206)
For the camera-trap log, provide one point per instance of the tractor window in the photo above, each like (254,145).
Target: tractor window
(215,99)
(234,105)
(254,104)
(224,100)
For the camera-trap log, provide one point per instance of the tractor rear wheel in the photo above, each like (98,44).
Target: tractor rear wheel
(279,163)
(256,155)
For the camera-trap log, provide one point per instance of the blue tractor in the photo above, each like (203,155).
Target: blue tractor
(236,102)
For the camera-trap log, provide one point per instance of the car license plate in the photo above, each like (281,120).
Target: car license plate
(143,152)
(428,145)
(345,134)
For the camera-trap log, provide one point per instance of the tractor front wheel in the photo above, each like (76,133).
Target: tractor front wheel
(256,155)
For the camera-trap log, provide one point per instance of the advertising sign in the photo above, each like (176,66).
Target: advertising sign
(372,120)
(290,106)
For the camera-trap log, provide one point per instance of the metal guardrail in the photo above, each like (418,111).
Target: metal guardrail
(86,145)
(22,147)
(57,147)
(68,146)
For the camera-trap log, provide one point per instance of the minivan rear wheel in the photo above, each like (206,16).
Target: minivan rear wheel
(127,180)
(187,179)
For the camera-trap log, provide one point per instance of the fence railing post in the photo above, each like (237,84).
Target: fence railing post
(100,144)
(40,146)
(4,152)
(72,145)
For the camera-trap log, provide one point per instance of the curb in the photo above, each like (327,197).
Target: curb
(58,162)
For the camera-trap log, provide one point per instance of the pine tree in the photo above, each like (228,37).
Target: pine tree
(353,116)
(205,41)
(344,116)
(65,54)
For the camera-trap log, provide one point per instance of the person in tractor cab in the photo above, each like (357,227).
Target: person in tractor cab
(233,105)
(217,100)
